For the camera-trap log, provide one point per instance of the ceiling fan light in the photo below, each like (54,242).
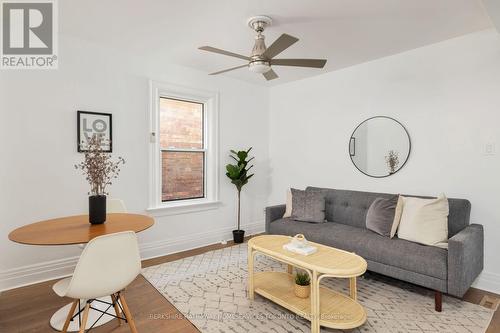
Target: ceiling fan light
(259,67)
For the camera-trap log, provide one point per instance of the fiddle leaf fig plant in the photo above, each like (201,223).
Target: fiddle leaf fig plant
(239,173)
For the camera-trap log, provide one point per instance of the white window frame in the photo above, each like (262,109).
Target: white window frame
(210,101)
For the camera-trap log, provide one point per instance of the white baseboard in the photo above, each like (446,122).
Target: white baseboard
(55,269)
(488,281)
(40,272)
(189,242)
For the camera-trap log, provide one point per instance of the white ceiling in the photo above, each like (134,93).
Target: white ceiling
(346,32)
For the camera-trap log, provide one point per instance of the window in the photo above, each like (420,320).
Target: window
(184,149)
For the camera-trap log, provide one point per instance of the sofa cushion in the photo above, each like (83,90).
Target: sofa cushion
(308,206)
(425,221)
(288,209)
(381,216)
(427,260)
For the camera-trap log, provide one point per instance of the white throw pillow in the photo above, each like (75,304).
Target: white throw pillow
(397,216)
(288,210)
(425,221)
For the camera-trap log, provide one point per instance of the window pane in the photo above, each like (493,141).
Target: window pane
(181,124)
(182,175)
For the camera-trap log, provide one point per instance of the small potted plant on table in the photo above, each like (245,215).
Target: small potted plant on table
(302,285)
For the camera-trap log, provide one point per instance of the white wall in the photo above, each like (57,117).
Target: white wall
(448,97)
(38,149)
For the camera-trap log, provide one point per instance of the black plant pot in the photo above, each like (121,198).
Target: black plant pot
(97,209)
(238,236)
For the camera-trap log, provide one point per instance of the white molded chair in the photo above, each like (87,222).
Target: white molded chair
(107,265)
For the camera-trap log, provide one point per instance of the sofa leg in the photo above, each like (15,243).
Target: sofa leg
(438,301)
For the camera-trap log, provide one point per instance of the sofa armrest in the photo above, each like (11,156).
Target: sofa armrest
(273,213)
(465,258)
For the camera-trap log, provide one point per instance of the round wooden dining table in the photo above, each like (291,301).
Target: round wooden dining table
(77,230)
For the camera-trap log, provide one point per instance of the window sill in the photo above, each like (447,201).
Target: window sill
(177,208)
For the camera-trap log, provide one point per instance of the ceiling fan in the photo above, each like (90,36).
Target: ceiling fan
(262,58)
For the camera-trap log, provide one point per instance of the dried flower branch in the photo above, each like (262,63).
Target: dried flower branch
(392,161)
(98,168)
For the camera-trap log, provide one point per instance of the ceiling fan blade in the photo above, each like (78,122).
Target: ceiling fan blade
(282,43)
(231,54)
(229,69)
(270,75)
(315,63)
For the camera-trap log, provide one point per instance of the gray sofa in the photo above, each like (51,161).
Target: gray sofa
(449,271)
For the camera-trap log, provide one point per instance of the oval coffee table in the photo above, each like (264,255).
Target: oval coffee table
(77,230)
(325,307)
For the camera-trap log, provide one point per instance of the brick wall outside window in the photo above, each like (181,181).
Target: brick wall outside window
(181,127)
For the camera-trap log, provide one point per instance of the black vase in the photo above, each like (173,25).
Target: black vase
(97,209)
(238,236)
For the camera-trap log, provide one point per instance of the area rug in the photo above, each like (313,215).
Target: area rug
(210,290)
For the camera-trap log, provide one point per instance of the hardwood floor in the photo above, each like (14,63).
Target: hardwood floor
(474,295)
(28,309)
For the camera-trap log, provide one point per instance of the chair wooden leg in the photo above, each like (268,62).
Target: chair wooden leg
(70,315)
(438,301)
(84,319)
(117,308)
(128,315)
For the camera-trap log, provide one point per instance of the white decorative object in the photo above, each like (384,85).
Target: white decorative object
(299,241)
(299,245)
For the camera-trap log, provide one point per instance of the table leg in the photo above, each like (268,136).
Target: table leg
(315,304)
(250,273)
(352,288)
(290,269)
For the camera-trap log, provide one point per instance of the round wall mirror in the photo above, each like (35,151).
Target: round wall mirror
(379,146)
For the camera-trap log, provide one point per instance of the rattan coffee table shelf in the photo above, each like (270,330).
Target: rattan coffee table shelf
(325,307)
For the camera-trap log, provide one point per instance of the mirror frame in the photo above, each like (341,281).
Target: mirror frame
(352,136)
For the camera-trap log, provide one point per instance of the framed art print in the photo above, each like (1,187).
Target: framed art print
(94,123)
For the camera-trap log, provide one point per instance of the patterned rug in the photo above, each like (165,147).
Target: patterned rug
(210,290)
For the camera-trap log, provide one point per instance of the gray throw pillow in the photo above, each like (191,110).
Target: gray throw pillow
(308,206)
(380,215)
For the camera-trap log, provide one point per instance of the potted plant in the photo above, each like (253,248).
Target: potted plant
(302,285)
(99,171)
(238,173)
